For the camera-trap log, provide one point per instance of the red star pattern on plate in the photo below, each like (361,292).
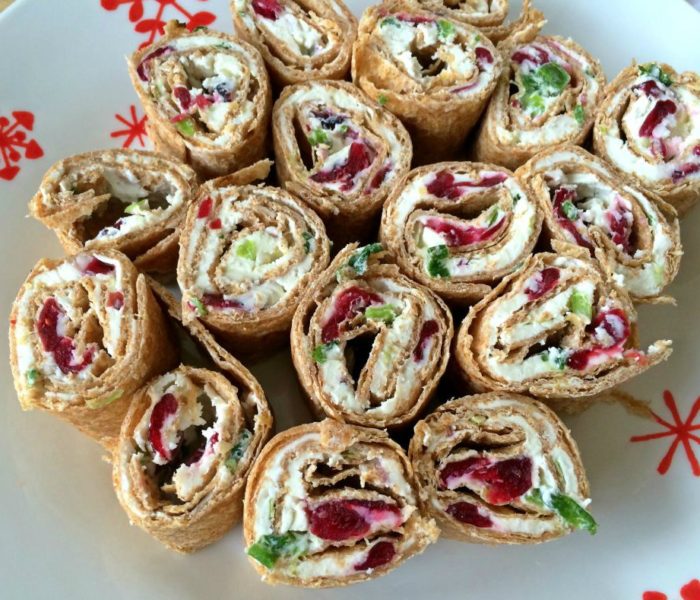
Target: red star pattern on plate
(682,433)
(690,591)
(153,26)
(14,143)
(135,129)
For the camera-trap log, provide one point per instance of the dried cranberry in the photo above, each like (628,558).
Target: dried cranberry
(504,480)
(541,283)
(339,520)
(614,322)
(115,300)
(561,195)
(483,57)
(380,554)
(379,178)
(182,95)
(218,301)
(619,219)
(444,185)
(165,407)
(649,88)
(61,347)
(215,224)
(428,330)
(205,208)
(360,157)
(141,70)
(97,267)
(269,9)
(684,171)
(414,19)
(466,512)
(456,235)
(658,113)
(349,303)
(535,55)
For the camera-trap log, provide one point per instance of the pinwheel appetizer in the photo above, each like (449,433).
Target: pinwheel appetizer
(247,253)
(188,442)
(329,504)
(648,127)
(556,329)
(124,200)
(434,73)
(500,468)
(488,15)
(300,40)
(634,235)
(207,97)
(460,227)
(340,152)
(85,333)
(369,345)
(548,95)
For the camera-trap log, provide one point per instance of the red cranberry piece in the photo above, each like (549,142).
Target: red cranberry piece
(614,322)
(483,57)
(687,169)
(504,480)
(61,347)
(218,301)
(619,220)
(339,520)
(456,235)
(466,512)
(541,283)
(206,448)
(269,9)
(382,553)
(414,19)
(349,303)
(445,186)
(97,267)
(561,195)
(458,469)
(215,224)
(205,208)
(649,88)
(658,113)
(115,300)
(203,101)
(359,158)
(182,95)
(165,407)
(535,55)
(428,330)
(142,69)
(379,178)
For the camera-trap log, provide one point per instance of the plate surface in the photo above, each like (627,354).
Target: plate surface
(63,82)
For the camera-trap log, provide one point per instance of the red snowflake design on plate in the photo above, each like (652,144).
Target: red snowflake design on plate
(135,129)
(154,26)
(690,591)
(682,433)
(14,143)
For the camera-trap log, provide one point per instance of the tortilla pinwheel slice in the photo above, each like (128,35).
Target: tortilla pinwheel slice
(189,440)
(207,97)
(85,334)
(633,234)
(460,227)
(329,504)
(648,127)
(369,345)
(125,200)
(500,468)
(247,254)
(559,329)
(547,95)
(340,152)
(300,40)
(433,72)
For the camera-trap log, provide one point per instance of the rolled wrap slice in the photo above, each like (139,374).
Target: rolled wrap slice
(300,40)
(125,200)
(85,334)
(557,329)
(434,73)
(500,468)
(247,253)
(648,127)
(340,152)
(460,227)
(488,15)
(633,234)
(207,97)
(329,504)
(369,345)
(188,442)
(547,95)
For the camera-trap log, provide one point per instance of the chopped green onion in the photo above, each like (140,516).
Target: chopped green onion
(137,207)
(393,21)
(386,313)
(581,305)
(247,249)
(358,261)
(579,115)
(573,513)
(320,352)
(382,99)
(308,236)
(544,82)
(102,402)
(33,377)
(445,29)
(343,129)
(655,71)
(268,549)
(201,28)
(535,497)
(569,209)
(318,136)
(199,307)
(516,198)
(185,127)
(436,261)
(493,217)
(239,450)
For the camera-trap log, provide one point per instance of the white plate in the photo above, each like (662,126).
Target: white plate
(63,532)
